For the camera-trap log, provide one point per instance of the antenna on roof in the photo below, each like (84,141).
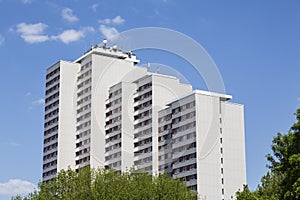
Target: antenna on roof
(115,47)
(104,42)
(148,66)
(157,70)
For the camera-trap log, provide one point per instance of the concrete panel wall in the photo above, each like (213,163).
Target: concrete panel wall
(208,147)
(233,148)
(67,114)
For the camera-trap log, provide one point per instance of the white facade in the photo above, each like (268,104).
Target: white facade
(103,111)
(152,94)
(74,133)
(59,126)
(201,141)
(119,127)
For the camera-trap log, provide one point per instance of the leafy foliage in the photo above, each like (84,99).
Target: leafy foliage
(282,182)
(90,184)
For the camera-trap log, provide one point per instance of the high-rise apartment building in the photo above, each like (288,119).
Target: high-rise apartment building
(118,127)
(59,126)
(74,129)
(103,111)
(201,142)
(152,94)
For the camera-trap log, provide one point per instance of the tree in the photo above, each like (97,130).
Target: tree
(282,182)
(93,184)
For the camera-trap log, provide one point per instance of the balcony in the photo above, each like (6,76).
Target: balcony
(81,105)
(83,164)
(183,153)
(83,129)
(83,112)
(191,182)
(108,109)
(112,134)
(113,160)
(113,151)
(111,143)
(81,97)
(185,173)
(144,118)
(82,88)
(184,143)
(185,132)
(165,142)
(82,121)
(109,126)
(183,112)
(112,107)
(51,134)
(113,115)
(51,126)
(50,151)
(82,138)
(184,163)
(51,109)
(135,95)
(50,160)
(142,128)
(83,155)
(142,146)
(145,164)
(184,122)
(142,156)
(142,92)
(50,168)
(82,147)
(142,110)
(142,137)
(114,97)
(165,151)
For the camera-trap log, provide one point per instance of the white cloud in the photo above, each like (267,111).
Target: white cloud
(31,29)
(16,186)
(109,33)
(32,33)
(94,7)
(1,39)
(14,144)
(70,35)
(117,20)
(39,101)
(35,38)
(11,144)
(68,15)
(28,94)
(104,21)
(26,1)
(88,29)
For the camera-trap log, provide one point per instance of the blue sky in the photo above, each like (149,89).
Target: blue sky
(255,44)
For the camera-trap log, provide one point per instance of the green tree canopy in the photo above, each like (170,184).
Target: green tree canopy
(282,182)
(91,184)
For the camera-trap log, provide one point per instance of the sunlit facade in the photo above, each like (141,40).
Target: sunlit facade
(103,111)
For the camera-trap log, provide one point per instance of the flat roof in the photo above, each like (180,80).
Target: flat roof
(224,97)
(109,52)
(148,74)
